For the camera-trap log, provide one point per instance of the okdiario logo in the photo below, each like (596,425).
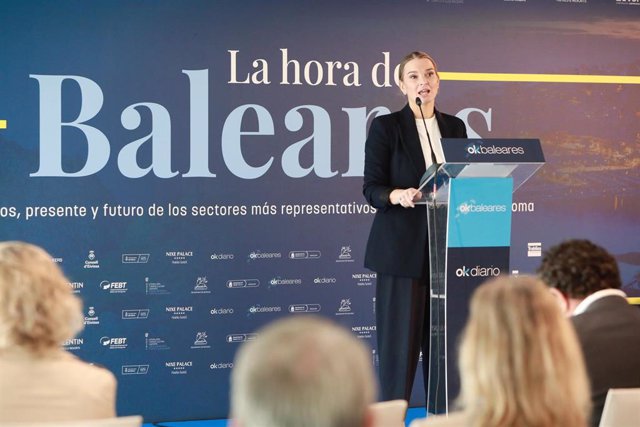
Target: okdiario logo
(477,271)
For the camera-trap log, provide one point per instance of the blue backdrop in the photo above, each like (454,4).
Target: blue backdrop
(196,167)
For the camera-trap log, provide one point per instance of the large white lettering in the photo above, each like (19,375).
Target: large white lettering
(246,153)
(51,126)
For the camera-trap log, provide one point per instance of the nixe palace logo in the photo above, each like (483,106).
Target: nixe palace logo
(179,257)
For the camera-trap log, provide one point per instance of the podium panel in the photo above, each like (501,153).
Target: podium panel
(468,203)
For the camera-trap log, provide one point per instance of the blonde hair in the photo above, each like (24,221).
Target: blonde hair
(302,371)
(38,310)
(520,361)
(415,55)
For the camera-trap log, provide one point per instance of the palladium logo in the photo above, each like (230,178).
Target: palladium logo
(345,307)
(201,286)
(201,338)
(345,254)
(200,341)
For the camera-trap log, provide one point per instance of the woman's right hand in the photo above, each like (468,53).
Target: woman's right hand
(405,197)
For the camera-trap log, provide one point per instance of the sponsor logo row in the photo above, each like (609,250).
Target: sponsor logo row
(175,367)
(179,257)
(201,284)
(201,340)
(92,317)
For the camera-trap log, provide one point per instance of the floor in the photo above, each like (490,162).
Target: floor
(412,414)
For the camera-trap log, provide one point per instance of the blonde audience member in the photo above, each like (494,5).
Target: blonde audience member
(39,380)
(302,372)
(520,362)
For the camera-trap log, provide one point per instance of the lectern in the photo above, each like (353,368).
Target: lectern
(468,202)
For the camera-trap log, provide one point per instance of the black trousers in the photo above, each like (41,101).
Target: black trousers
(402,326)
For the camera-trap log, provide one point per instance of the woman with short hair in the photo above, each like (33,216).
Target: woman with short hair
(39,380)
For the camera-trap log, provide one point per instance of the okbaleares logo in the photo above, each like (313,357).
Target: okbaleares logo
(492,149)
(472,207)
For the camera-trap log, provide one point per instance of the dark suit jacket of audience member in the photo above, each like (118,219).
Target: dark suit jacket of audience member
(609,333)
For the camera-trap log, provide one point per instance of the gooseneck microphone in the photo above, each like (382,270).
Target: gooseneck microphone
(433,154)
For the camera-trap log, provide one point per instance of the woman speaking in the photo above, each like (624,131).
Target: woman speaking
(399,149)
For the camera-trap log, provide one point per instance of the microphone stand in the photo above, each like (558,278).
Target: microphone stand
(440,289)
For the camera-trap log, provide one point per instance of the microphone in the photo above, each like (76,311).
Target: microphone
(433,154)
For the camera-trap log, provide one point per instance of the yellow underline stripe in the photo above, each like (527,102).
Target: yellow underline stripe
(547,78)
(633,300)
(3,124)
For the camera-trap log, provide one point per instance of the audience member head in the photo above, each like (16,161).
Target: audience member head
(302,371)
(520,362)
(578,268)
(38,310)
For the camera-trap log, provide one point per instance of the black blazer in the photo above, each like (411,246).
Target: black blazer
(609,334)
(393,159)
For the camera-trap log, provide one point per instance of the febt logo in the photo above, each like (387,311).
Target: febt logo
(113,287)
(114,343)
(477,271)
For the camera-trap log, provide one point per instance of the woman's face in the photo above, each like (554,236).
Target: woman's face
(419,79)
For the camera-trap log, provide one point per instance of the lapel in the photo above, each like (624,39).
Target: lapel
(442,124)
(410,140)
